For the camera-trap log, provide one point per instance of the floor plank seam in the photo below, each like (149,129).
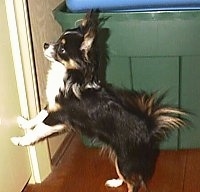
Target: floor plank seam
(184,175)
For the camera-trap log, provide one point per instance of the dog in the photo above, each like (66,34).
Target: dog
(131,124)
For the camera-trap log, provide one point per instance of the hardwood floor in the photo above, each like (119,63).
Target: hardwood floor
(82,169)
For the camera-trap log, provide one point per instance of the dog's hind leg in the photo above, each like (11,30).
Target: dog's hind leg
(41,131)
(115,182)
(129,186)
(134,182)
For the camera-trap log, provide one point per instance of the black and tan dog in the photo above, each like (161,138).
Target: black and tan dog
(130,123)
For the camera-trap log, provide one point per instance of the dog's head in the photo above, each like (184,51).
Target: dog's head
(75,50)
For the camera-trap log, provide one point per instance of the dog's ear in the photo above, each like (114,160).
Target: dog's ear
(89,29)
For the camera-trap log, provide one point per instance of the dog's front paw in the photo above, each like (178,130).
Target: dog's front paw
(114,182)
(21,141)
(24,123)
(15,140)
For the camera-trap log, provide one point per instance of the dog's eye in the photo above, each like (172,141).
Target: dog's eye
(62,50)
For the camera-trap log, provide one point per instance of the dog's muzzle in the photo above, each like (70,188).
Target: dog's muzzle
(49,51)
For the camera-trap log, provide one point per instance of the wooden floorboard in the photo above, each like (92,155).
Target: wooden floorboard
(83,169)
(192,173)
(169,172)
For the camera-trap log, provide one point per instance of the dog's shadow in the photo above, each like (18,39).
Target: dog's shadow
(103,35)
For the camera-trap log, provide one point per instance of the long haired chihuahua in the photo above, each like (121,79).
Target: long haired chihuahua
(130,124)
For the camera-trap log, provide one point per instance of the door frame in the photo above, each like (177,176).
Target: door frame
(20,36)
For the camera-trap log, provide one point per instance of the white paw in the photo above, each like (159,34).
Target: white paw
(114,182)
(15,140)
(24,123)
(21,141)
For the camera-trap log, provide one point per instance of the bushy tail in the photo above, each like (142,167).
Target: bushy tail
(161,118)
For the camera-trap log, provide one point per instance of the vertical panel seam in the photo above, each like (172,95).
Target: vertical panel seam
(131,73)
(179,95)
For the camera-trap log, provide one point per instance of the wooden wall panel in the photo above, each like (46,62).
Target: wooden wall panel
(44,29)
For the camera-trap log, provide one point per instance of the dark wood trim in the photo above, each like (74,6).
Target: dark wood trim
(62,149)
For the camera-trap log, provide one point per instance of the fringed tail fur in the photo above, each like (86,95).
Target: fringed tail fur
(162,118)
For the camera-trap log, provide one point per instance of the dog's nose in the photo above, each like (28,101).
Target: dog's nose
(46,45)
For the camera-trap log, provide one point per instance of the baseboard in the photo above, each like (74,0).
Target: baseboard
(61,150)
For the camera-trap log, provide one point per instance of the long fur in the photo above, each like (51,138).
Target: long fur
(130,123)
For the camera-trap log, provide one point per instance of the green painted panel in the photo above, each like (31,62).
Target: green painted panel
(154,37)
(118,72)
(190,100)
(155,42)
(159,74)
(162,33)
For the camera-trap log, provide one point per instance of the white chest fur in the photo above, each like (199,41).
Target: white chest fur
(54,82)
